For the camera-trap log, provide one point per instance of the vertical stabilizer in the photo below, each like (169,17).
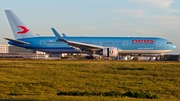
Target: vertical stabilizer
(19,29)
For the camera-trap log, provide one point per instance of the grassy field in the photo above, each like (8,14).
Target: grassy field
(43,79)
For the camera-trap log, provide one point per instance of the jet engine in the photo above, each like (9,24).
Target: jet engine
(110,52)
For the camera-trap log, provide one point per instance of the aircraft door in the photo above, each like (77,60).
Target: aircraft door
(125,43)
(42,43)
(158,43)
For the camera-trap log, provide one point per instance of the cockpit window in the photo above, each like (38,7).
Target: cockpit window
(169,42)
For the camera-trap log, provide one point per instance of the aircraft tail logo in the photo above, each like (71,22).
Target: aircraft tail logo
(24,30)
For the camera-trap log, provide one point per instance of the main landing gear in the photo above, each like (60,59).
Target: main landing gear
(89,57)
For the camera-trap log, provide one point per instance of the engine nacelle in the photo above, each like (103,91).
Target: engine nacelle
(110,52)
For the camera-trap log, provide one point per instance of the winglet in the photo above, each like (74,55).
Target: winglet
(58,36)
(64,35)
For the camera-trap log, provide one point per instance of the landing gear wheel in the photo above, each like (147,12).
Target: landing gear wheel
(89,57)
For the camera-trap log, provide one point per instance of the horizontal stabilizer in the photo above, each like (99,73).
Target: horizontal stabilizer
(17,41)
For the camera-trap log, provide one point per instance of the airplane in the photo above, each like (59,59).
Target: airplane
(105,46)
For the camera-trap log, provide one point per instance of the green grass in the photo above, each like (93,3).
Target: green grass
(43,79)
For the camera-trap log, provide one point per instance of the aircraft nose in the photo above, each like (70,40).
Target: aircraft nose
(174,47)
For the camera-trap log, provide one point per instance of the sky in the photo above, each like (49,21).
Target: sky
(157,18)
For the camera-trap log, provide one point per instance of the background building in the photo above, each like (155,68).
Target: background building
(14,49)
(8,51)
(4,48)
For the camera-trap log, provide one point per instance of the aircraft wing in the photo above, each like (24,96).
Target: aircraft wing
(17,41)
(77,45)
(84,45)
